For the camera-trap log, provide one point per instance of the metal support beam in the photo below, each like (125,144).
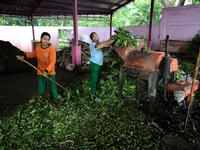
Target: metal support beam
(104,3)
(52,8)
(32,24)
(80,7)
(38,4)
(123,5)
(75,20)
(111,15)
(76,49)
(149,44)
(33,32)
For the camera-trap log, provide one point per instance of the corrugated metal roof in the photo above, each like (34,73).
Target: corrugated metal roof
(59,8)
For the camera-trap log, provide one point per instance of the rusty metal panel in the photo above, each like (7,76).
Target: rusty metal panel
(146,61)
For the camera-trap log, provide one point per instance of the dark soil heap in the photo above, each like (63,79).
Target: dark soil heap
(191,53)
(9,62)
(193,49)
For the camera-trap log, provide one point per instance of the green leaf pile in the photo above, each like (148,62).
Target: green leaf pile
(77,122)
(125,38)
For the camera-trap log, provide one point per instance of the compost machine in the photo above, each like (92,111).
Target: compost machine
(152,68)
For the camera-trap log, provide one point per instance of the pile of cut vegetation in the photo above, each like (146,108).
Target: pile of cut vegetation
(77,122)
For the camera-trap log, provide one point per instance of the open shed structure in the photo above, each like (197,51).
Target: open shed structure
(62,9)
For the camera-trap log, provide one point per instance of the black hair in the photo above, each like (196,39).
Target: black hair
(46,33)
(91,35)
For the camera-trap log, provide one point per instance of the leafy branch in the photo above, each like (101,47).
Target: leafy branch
(124,38)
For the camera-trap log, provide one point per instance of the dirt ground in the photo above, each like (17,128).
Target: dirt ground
(18,88)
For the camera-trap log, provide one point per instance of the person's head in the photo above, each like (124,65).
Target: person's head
(45,39)
(94,37)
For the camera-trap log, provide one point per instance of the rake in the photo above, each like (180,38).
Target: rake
(45,76)
(192,87)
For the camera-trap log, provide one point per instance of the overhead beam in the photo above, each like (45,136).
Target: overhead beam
(100,2)
(66,10)
(70,5)
(37,5)
(92,1)
(28,8)
(61,10)
(40,15)
(53,11)
(11,6)
(122,5)
(17,14)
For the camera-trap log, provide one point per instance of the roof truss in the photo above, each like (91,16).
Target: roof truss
(59,8)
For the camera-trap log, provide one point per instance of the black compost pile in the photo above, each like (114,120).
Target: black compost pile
(192,50)
(187,60)
(9,62)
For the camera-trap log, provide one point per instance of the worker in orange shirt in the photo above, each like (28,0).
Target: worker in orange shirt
(46,56)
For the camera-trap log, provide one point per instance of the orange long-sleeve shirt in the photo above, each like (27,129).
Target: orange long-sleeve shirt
(46,59)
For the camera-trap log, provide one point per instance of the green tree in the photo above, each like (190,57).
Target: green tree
(12,21)
(137,13)
(103,21)
(52,22)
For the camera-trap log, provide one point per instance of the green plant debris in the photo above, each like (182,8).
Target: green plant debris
(125,38)
(76,122)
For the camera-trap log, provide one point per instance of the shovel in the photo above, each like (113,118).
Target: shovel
(45,76)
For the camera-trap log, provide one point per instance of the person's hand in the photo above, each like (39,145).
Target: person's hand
(19,57)
(44,73)
(96,46)
(109,41)
(112,37)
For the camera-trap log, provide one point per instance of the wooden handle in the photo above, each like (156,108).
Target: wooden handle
(45,76)
(192,87)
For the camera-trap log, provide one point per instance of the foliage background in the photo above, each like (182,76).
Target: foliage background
(135,13)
